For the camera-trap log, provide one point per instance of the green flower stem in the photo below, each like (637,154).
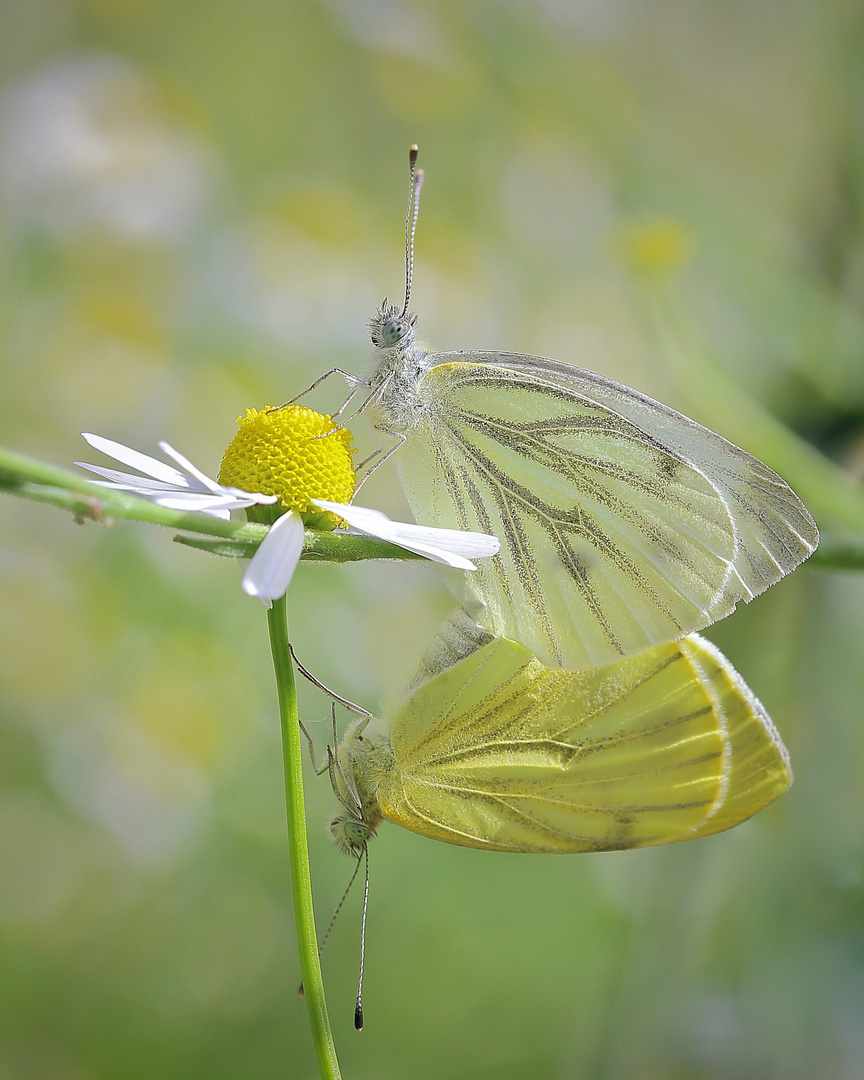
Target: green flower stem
(298,851)
(66,490)
(88,501)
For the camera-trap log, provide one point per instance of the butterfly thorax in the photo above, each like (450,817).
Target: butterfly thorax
(365,758)
(399,362)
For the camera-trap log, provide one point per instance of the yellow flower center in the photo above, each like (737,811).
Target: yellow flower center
(276,452)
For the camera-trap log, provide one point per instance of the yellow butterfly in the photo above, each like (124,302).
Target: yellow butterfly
(622,523)
(491,749)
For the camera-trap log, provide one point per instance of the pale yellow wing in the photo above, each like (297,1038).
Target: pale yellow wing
(502,753)
(759,768)
(623,523)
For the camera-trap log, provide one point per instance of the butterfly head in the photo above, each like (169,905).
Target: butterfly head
(392,328)
(350,834)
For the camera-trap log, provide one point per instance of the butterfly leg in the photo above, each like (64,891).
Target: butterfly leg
(354,382)
(357,384)
(331,764)
(355,807)
(325,765)
(349,705)
(373,395)
(398,439)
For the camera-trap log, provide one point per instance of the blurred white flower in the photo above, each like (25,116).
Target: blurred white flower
(84,144)
(392,27)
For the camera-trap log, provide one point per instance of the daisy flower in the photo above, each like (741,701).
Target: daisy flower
(291,468)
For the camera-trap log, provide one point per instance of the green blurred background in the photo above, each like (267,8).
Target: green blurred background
(200,205)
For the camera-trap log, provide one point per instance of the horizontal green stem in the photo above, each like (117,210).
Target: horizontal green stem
(839,553)
(823,485)
(58,487)
(66,490)
(330,547)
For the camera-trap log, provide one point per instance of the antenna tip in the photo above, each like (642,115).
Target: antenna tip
(358,1017)
(300,991)
(413,151)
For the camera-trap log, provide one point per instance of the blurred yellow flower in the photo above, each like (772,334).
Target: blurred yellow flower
(654,248)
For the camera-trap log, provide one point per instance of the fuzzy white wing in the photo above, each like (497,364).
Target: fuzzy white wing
(623,523)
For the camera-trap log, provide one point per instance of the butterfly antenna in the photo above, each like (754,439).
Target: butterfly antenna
(335,914)
(333,918)
(358,1008)
(415,183)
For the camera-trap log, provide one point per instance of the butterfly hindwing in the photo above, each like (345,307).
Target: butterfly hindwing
(500,752)
(759,762)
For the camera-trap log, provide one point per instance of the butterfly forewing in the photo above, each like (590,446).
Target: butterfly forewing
(623,524)
(500,752)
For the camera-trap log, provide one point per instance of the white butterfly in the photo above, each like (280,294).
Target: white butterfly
(623,523)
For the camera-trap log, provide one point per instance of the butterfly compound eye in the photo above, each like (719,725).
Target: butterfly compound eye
(393,331)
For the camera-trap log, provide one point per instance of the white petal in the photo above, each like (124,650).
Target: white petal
(127,456)
(273,564)
(448,546)
(196,502)
(172,489)
(186,464)
(433,554)
(247,498)
(470,544)
(127,481)
(199,500)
